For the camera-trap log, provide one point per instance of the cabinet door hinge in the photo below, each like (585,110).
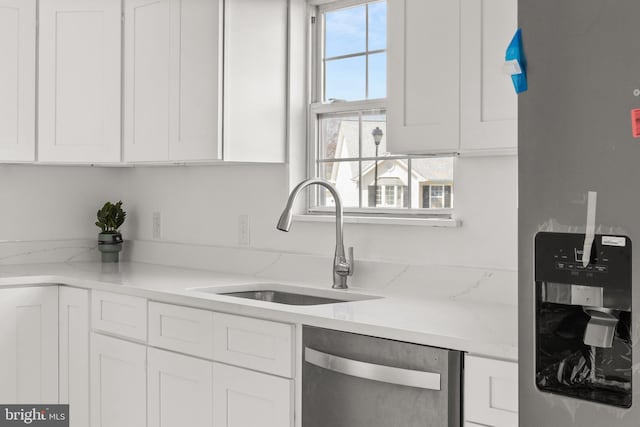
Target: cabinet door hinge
(313,19)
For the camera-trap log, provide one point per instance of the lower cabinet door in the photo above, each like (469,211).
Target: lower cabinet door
(243,398)
(29,345)
(118,383)
(74,353)
(180,390)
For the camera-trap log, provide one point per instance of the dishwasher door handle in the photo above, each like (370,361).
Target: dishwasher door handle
(369,371)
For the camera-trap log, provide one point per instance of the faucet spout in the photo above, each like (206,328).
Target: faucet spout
(342,267)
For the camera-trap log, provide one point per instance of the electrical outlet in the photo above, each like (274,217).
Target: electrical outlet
(156,232)
(244,235)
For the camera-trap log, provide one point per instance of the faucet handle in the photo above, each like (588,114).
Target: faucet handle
(350,260)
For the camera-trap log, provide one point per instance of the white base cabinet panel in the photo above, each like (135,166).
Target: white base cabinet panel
(29,356)
(491,392)
(79,81)
(74,353)
(180,390)
(118,383)
(243,398)
(17,80)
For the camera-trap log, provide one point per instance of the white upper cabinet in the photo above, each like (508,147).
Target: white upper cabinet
(79,81)
(29,356)
(423,76)
(172,80)
(146,61)
(255,80)
(447,91)
(17,80)
(489,104)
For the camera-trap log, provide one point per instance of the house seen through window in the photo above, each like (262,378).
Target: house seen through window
(349,122)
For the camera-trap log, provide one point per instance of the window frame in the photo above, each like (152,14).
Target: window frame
(317,108)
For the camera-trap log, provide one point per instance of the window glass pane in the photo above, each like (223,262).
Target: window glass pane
(425,199)
(345,79)
(345,176)
(371,121)
(435,173)
(447,196)
(378,25)
(339,136)
(345,31)
(378,76)
(389,195)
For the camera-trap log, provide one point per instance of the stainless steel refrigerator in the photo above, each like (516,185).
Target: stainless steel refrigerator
(579,330)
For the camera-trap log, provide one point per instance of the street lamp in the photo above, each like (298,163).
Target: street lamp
(377,138)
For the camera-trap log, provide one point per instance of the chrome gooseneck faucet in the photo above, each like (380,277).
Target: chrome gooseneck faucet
(342,267)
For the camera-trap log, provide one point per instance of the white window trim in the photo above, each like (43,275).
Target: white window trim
(405,216)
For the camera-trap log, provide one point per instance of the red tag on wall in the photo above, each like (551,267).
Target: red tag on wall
(635,122)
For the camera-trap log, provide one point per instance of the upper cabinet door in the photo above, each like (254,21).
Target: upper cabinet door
(172,80)
(196,80)
(146,77)
(79,81)
(255,80)
(17,80)
(423,76)
(489,104)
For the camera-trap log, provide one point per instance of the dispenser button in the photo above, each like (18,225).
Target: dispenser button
(602,268)
(560,265)
(587,295)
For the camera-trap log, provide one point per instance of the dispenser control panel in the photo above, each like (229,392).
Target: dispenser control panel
(559,258)
(559,261)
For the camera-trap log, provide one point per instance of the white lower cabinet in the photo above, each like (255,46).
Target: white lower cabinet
(243,398)
(180,390)
(74,353)
(29,356)
(118,383)
(491,392)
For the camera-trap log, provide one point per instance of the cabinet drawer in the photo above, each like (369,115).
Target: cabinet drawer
(182,329)
(491,392)
(252,343)
(121,315)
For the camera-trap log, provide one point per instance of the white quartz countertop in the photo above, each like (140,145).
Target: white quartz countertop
(479,316)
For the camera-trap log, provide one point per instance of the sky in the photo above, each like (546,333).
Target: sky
(346,33)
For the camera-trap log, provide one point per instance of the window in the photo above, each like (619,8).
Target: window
(433,195)
(348,130)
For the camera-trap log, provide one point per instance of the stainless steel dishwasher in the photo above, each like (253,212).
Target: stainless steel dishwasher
(351,380)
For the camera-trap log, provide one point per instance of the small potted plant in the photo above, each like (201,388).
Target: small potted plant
(110,218)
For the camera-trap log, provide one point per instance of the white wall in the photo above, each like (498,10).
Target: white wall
(51,202)
(202,204)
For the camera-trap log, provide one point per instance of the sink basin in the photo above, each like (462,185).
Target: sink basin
(286,294)
(283,297)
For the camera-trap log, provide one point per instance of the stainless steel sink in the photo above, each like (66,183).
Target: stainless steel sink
(280,297)
(286,294)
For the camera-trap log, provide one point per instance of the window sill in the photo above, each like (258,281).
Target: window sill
(350,219)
